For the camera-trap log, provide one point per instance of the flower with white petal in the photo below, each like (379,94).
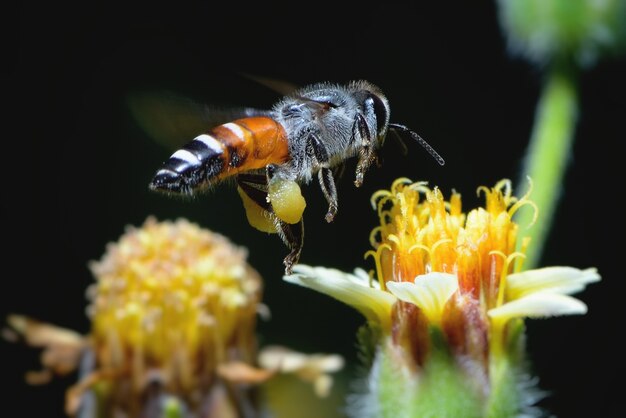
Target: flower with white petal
(449,282)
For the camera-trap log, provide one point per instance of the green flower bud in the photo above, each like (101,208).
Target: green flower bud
(580,31)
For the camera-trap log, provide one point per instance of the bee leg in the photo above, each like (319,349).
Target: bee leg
(366,157)
(255,186)
(367,154)
(339,171)
(270,172)
(327,183)
(293,236)
(325,177)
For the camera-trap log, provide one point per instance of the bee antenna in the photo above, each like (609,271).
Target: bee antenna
(405,149)
(419,139)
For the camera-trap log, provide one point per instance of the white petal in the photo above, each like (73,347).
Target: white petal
(287,360)
(373,303)
(429,292)
(330,362)
(365,278)
(309,367)
(539,305)
(563,280)
(281,358)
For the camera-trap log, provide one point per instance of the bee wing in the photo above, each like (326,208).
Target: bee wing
(172,120)
(282,87)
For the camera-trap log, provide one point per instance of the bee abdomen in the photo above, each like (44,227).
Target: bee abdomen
(244,144)
(191,166)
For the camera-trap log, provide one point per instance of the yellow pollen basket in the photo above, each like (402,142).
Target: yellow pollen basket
(258,217)
(286,199)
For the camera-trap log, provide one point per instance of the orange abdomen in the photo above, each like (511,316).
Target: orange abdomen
(251,143)
(231,148)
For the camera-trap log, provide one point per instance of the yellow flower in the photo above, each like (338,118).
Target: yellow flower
(173,330)
(171,293)
(172,305)
(442,271)
(427,249)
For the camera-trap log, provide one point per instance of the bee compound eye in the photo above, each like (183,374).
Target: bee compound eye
(381,110)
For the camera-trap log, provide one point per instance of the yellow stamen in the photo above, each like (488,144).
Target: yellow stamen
(376,254)
(171,294)
(413,216)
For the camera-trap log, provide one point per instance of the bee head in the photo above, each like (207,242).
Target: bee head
(374,104)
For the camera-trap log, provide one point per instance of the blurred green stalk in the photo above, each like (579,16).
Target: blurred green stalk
(548,153)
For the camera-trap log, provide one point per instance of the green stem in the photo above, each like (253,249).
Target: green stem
(546,161)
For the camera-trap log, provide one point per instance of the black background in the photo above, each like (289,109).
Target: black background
(76,166)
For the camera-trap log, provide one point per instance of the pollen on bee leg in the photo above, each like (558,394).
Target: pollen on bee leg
(286,199)
(257,216)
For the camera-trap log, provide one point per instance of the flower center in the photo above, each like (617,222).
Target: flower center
(421,232)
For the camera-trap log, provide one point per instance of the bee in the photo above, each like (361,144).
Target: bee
(308,133)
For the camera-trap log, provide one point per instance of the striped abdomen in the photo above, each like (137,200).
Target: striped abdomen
(242,145)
